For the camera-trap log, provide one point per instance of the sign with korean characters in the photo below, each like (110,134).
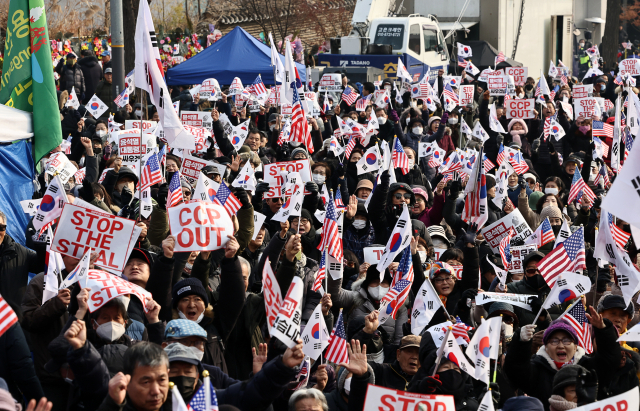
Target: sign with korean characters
(496,231)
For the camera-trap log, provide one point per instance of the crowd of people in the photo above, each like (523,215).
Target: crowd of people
(208,317)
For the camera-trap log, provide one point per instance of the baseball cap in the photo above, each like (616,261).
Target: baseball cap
(181,328)
(106,53)
(108,70)
(179,352)
(410,341)
(535,254)
(142,254)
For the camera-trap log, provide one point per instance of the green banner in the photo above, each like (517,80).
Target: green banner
(27,73)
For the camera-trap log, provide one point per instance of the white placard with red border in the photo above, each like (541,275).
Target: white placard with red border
(381,398)
(199,226)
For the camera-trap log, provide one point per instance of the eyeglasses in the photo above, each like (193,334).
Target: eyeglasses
(555,341)
(399,196)
(532,270)
(3,227)
(440,280)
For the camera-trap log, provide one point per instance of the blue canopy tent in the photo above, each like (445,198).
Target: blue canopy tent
(237,54)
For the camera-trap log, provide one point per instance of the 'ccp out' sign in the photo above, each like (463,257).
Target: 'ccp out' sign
(200,226)
(520,108)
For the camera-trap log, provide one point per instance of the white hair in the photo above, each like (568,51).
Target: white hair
(244,262)
(303,394)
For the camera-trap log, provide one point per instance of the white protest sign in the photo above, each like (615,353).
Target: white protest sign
(466,95)
(60,164)
(201,135)
(519,300)
(584,107)
(258,220)
(147,126)
(519,74)
(199,226)
(497,84)
(210,90)
(105,287)
(379,398)
(372,255)
(438,252)
(191,167)
(487,72)
(496,231)
(631,66)
(330,82)
(273,176)
(522,109)
(30,206)
(286,326)
(582,91)
(81,228)
(129,148)
(518,253)
(627,401)
(196,118)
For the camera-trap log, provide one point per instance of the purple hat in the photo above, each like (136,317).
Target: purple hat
(559,325)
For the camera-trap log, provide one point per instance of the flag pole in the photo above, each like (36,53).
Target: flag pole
(440,351)
(570,307)
(141,155)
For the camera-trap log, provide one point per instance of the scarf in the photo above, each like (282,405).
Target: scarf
(558,403)
(562,364)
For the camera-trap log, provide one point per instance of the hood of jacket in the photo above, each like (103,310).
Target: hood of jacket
(542,352)
(89,61)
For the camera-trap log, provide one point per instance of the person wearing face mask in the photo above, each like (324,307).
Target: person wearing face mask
(104,91)
(338,399)
(415,175)
(529,87)
(385,124)
(359,232)
(121,186)
(449,379)
(535,375)
(515,185)
(71,75)
(414,134)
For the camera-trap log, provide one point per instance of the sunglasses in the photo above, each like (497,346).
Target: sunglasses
(399,196)
(532,270)
(3,227)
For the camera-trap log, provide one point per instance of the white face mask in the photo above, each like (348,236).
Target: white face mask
(184,317)
(423,256)
(417,130)
(318,178)
(408,120)
(110,331)
(452,120)
(508,330)
(551,190)
(101,133)
(521,95)
(347,385)
(382,120)
(139,113)
(359,224)
(412,162)
(272,126)
(197,352)
(377,292)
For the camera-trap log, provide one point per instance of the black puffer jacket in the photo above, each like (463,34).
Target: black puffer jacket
(16,262)
(16,365)
(71,77)
(92,73)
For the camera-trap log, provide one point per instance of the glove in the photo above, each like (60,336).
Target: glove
(243,197)
(340,171)
(604,278)
(586,386)
(552,148)
(86,192)
(468,294)
(393,115)
(429,385)
(592,146)
(500,140)
(262,187)
(126,196)
(522,182)
(456,186)
(526,332)
(312,187)
(163,192)
(445,117)
(536,304)
(107,151)
(495,392)
(536,144)
(470,234)
(384,179)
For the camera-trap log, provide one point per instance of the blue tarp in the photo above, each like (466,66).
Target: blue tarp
(16,184)
(237,54)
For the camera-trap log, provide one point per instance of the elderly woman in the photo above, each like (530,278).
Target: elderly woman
(535,374)
(309,399)
(429,212)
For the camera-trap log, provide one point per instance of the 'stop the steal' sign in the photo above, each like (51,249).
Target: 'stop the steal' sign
(82,228)
(105,287)
(200,226)
(380,398)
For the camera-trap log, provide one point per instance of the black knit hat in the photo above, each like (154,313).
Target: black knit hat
(567,375)
(187,287)
(373,274)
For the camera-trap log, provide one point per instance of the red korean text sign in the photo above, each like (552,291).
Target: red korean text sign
(105,287)
(200,226)
(81,228)
(380,398)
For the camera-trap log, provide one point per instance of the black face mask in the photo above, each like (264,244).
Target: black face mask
(348,271)
(528,87)
(452,380)
(97,150)
(169,175)
(396,210)
(186,386)
(556,229)
(536,282)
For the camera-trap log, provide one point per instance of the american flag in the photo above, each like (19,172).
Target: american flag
(567,256)
(487,164)
(552,93)
(338,200)
(349,96)
(501,154)
(162,154)
(472,202)
(66,144)
(578,320)
(404,273)
(400,159)
(462,62)
(563,78)
(258,88)
(299,126)
(603,145)
(303,374)
(603,176)
(544,233)
(448,93)
(519,165)
(349,148)
(621,237)
(321,274)
(500,58)
(229,201)
(461,330)
(151,173)
(361,105)
(578,188)
(602,129)
(394,299)
(628,142)
(175,196)
(618,80)
(7,316)
(331,231)
(505,249)
(199,403)
(547,126)
(337,351)
(452,163)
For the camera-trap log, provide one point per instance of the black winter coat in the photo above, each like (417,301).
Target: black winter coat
(71,77)
(92,73)
(16,262)
(16,365)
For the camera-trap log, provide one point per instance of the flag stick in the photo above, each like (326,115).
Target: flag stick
(441,350)
(570,307)
(538,315)
(141,155)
